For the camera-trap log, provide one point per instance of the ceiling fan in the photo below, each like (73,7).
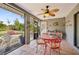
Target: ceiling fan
(48,12)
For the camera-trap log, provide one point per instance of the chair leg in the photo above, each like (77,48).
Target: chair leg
(59,51)
(50,51)
(45,49)
(36,48)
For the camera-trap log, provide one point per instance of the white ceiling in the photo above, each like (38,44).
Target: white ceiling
(35,8)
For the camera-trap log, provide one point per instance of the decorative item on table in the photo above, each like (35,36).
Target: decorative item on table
(54,35)
(50,34)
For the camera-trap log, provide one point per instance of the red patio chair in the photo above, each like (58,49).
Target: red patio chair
(59,34)
(55,45)
(47,41)
(41,43)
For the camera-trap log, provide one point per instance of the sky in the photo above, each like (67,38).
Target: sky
(6,15)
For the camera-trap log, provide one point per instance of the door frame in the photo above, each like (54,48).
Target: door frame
(75,29)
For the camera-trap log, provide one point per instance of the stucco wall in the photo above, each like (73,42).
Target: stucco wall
(70,28)
(52,26)
(43,27)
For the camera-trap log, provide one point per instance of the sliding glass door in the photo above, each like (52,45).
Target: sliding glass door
(11,31)
(76,28)
(36,29)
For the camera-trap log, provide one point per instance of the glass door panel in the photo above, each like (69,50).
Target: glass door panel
(11,31)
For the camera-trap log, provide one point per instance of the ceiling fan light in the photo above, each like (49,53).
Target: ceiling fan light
(46,14)
(52,14)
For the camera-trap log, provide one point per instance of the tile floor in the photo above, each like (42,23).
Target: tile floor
(66,49)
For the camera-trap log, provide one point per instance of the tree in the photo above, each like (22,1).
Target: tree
(2,26)
(1,22)
(8,22)
(21,27)
(31,26)
(17,24)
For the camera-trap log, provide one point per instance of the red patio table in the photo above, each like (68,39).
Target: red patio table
(50,40)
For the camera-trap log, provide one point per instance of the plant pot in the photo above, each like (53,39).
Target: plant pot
(22,40)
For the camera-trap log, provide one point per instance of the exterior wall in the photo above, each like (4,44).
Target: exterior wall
(43,27)
(70,28)
(51,24)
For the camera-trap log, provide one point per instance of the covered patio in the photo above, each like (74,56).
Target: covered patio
(57,21)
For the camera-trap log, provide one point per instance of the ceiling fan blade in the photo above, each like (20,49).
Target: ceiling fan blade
(41,14)
(54,10)
(51,14)
(43,9)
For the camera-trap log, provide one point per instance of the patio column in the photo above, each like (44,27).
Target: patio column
(27,29)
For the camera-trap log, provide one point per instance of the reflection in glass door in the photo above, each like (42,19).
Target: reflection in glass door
(36,30)
(31,28)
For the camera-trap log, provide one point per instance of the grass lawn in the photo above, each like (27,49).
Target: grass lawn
(2,32)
